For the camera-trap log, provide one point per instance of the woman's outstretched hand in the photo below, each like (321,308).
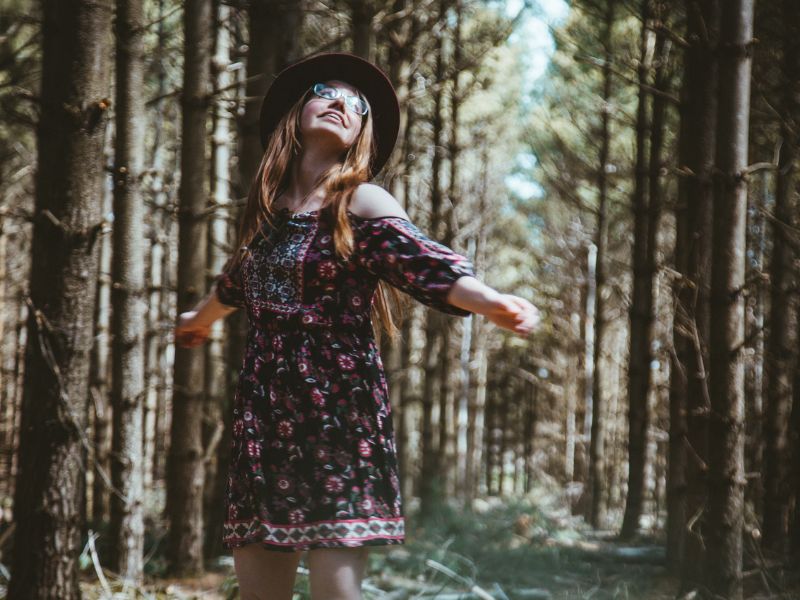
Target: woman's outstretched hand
(504,310)
(514,313)
(189,332)
(194,326)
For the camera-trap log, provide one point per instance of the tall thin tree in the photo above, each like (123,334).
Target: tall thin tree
(49,492)
(595,408)
(186,469)
(726,373)
(781,345)
(128,296)
(431,459)
(641,308)
(689,403)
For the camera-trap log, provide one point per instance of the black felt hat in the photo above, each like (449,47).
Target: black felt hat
(295,80)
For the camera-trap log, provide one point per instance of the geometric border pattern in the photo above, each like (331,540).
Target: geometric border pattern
(344,532)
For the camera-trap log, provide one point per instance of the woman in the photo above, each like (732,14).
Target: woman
(314,464)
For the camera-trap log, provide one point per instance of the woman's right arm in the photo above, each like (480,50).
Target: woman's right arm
(194,326)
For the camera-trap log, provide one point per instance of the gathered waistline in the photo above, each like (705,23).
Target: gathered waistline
(304,321)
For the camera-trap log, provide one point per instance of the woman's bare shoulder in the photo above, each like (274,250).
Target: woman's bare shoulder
(371,201)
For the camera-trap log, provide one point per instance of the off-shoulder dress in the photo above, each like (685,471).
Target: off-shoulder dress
(314,462)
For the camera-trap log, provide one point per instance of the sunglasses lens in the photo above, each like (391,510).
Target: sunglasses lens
(325,92)
(329,93)
(357,104)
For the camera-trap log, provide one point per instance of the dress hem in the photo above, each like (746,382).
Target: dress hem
(297,537)
(374,542)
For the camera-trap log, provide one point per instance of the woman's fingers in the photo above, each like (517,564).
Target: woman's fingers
(187,334)
(517,314)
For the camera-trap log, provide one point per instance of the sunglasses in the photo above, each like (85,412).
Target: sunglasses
(356,104)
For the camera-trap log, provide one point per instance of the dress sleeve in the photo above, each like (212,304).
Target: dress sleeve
(228,285)
(396,251)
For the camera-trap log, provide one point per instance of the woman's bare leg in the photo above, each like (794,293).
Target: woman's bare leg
(336,573)
(265,574)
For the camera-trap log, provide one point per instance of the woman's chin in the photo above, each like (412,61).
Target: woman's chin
(327,136)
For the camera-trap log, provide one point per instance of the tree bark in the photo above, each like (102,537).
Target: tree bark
(99,375)
(274,36)
(781,344)
(595,408)
(128,296)
(689,401)
(186,469)
(726,383)
(400,393)
(218,418)
(641,315)
(791,59)
(49,491)
(156,371)
(447,410)
(431,459)
(362,12)
(477,408)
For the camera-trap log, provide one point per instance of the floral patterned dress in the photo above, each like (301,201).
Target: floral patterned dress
(314,463)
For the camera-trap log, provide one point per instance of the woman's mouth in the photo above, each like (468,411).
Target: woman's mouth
(336,117)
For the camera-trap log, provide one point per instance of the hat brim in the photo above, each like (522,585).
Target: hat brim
(295,80)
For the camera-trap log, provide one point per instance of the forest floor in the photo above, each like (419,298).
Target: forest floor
(527,548)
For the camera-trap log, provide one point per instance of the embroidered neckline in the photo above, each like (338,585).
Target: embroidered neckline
(284,212)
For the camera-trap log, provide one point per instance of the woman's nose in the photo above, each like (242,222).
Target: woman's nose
(339,103)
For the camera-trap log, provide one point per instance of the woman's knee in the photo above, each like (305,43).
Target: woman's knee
(336,573)
(265,574)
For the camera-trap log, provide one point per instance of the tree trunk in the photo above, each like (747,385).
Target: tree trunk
(430,355)
(595,408)
(400,37)
(186,469)
(641,315)
(661,80)
(99,384)
(531,414)
(447,411)
(274,36)
(156,372)
(400,393)
(689,402)
(571,392)
(431,457)
(503,406)
(726,383)
(362,13)
(127,295)
(781,344)
(480,418)
(754,332)
(461,475)
(488,439)
(791,58)
(476,417)
(49,491)
(218,421)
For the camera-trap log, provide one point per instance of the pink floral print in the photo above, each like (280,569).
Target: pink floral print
(313,462)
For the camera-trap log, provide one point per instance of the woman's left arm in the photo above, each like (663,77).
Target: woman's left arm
(504,310)
(396,250)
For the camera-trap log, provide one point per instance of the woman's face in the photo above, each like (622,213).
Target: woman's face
(331,122)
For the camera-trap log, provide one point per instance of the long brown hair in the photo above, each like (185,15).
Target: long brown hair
(340,181)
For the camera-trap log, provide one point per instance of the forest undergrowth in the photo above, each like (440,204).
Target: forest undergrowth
(527,547)
(514,548)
